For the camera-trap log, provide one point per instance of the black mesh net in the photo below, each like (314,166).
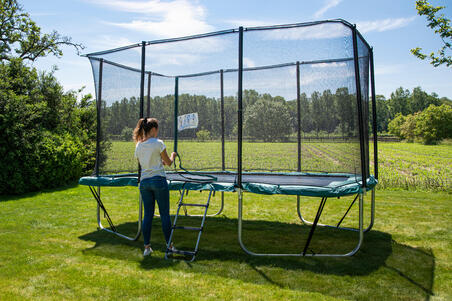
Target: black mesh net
(299,99)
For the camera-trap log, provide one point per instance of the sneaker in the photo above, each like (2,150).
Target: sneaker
(147,251)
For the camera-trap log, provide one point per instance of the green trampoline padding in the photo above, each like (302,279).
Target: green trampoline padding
(304,184)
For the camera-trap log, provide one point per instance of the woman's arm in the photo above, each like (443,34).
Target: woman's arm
(167,160)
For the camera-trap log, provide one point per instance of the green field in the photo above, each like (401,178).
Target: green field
(409,166)
(51,250)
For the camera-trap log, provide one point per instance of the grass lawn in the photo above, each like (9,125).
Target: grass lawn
(51,250)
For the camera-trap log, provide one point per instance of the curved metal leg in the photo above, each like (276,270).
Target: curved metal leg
(369,227)
(242,245)
(140,218)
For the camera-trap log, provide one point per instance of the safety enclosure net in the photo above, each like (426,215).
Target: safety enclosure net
(288,98)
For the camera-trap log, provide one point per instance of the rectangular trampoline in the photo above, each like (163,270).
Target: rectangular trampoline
(284,109)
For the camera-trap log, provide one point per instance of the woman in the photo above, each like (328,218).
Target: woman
(151,154)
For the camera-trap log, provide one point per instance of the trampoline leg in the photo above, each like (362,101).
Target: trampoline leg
(369,227)
(242,245)
(140,218)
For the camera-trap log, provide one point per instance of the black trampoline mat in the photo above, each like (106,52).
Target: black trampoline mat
(261,178)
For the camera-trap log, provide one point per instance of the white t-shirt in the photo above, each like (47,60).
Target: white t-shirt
(148,154)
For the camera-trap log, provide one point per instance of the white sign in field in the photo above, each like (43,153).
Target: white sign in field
(187,121)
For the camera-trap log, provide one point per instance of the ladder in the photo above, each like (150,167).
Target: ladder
(169,251)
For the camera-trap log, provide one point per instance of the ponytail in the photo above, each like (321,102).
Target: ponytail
(144,126)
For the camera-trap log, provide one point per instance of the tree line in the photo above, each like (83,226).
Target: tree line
(265,117)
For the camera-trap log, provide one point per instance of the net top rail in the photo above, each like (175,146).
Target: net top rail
(222,32)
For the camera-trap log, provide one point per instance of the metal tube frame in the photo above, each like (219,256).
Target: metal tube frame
(303,253)
(140,219)
(369,227)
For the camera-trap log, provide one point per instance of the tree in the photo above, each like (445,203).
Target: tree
(267,120)
(408,127)
(394,127)
(47,138)
(20,37)
(420,100)
(399,102)
(434,124)
(382,113)
(441,25)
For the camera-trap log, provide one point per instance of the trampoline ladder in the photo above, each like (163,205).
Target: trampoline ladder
(181,204)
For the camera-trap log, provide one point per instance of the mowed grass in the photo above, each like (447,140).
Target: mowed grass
(401,165)
(51,250)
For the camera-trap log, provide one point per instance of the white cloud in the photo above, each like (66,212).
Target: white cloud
(383,25)
(249,22)
(162,19)
(329,4)
(322,31)
(328,65)
(248,63)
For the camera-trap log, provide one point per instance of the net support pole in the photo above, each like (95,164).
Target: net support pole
(222,119)
(148,108)
(239,109)
(143,64)
(99,107)
(143,73)
(298,117)
(374,112)
(176,110)
(360,108)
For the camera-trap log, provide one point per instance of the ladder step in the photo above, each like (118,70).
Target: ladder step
(187,228)
(180,252)
(194,205)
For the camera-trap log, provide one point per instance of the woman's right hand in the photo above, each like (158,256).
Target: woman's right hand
(173,156)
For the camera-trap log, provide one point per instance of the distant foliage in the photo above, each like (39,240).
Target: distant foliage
(203,135)
(126,134)
(267,120)
(434,124)
(429,126)
(47,138)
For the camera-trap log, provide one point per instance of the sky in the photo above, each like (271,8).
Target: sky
(391,27)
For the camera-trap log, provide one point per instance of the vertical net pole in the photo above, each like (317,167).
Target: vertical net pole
(148,109)
(360,109)
(99,106)
(298,117)
(176,110)
(374,111)
(143,64)
(239,109)
(222,119)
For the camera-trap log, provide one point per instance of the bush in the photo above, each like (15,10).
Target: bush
(394,126)
(203,135)
(408,127)
(127,134)
(434,124)
(46,138)
(429,126)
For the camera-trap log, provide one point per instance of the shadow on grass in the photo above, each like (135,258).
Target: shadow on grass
(15,197)
(401,267)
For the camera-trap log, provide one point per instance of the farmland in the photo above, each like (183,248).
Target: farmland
(401,165)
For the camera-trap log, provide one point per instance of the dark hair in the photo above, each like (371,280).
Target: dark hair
(144,126)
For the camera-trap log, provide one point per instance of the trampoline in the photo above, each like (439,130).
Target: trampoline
(274,110)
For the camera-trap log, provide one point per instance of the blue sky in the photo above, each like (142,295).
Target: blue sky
(391,27)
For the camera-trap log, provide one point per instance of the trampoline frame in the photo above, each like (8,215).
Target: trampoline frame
(362,126)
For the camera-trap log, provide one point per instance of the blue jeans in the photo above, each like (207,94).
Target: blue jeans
(151,189)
